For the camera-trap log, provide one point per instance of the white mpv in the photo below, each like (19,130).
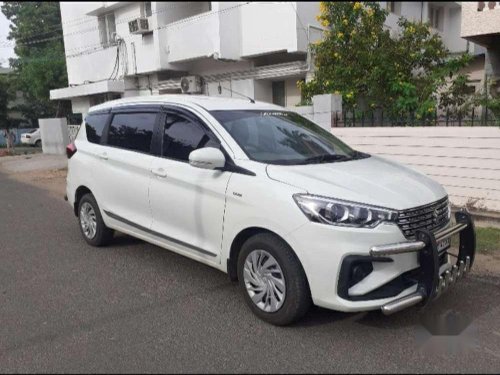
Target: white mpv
(264,194)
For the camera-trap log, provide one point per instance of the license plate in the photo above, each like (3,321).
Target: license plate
(443,244)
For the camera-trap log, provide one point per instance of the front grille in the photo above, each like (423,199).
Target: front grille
(432,217)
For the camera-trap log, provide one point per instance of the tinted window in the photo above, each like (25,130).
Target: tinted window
(283,138)
(94,124)
(183,136)
(132,131)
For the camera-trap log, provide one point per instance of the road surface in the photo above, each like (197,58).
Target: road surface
(134,307)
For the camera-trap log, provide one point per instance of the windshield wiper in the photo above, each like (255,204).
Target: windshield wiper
(360,155)
(326,158)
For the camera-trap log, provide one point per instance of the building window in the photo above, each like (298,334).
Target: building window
(394,7)
(279,93)
(436,17)
(146,9)
(107,28)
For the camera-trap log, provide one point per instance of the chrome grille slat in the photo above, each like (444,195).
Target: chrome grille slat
(410,212)
(430,217)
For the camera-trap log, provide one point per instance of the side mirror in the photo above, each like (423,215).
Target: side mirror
(207,158)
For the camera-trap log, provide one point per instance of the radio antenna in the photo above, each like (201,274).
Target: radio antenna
(237,93)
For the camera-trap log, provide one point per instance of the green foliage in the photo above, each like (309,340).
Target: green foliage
(40,66)
(485,99)
(5,97)
(358,59)
(458,97)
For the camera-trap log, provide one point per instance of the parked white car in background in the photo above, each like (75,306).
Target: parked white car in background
(274,200)
(33,138)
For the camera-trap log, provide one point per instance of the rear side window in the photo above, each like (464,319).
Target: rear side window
(132,131)
(182,136)
(94,124)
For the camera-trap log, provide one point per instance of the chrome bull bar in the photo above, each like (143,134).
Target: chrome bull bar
(431,284)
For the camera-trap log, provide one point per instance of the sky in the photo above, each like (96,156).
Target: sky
(5,53)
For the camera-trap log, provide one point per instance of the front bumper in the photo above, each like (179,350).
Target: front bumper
(329,254)
(432,283)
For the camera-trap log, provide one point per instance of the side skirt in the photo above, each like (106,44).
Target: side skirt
(159,235)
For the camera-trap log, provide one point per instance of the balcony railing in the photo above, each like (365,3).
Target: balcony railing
(481,5)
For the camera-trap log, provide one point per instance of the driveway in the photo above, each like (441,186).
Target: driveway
(133,307)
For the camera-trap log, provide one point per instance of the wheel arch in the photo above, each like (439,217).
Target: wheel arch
(79,193)
(239,240)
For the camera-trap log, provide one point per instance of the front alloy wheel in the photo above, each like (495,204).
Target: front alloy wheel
(264,281)
(272,279)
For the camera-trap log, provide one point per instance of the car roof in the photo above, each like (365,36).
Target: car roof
(207,102)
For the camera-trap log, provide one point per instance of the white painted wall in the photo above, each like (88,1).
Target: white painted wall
(410,10)
(292,92)
(465,160)
(268,27)
(452,39)
(263,90)
(54,135)
(418,10)
(479,23)
(191,38)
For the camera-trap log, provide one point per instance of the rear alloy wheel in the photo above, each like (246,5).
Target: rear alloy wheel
(88,221)
(273,281)
(38,143)
(92,226)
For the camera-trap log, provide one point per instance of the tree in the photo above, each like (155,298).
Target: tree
(40,64)
(359,59)
(459,97)
(5,96)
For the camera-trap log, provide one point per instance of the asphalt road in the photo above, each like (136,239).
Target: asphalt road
(133,307)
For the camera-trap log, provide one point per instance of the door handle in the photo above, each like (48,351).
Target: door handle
(103,156)
(160,172)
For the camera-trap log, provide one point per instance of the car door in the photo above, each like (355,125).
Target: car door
(125,166)
(187,203)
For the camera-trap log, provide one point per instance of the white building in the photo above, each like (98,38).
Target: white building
(444,17)
(258,49)
(481,25)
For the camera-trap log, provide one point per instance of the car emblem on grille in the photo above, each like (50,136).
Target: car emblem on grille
(435,214)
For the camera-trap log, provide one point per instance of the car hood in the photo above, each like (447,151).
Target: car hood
(372,180)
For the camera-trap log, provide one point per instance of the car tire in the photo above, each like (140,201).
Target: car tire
(38,143)
(296,295)
(91,224)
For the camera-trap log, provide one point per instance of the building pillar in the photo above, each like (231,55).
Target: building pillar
(324,108)
(54,134)
(492,63)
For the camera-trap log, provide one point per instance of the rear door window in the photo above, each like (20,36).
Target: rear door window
(94,125)
(132,131)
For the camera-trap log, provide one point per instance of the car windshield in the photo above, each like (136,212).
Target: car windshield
(282,137)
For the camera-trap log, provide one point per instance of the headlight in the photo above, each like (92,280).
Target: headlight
(337,212)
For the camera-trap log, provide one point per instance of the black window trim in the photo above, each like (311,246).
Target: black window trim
(230,164)
(138,108)
(191,118)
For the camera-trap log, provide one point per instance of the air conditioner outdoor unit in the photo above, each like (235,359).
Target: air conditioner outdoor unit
(139,26)
(191,84)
